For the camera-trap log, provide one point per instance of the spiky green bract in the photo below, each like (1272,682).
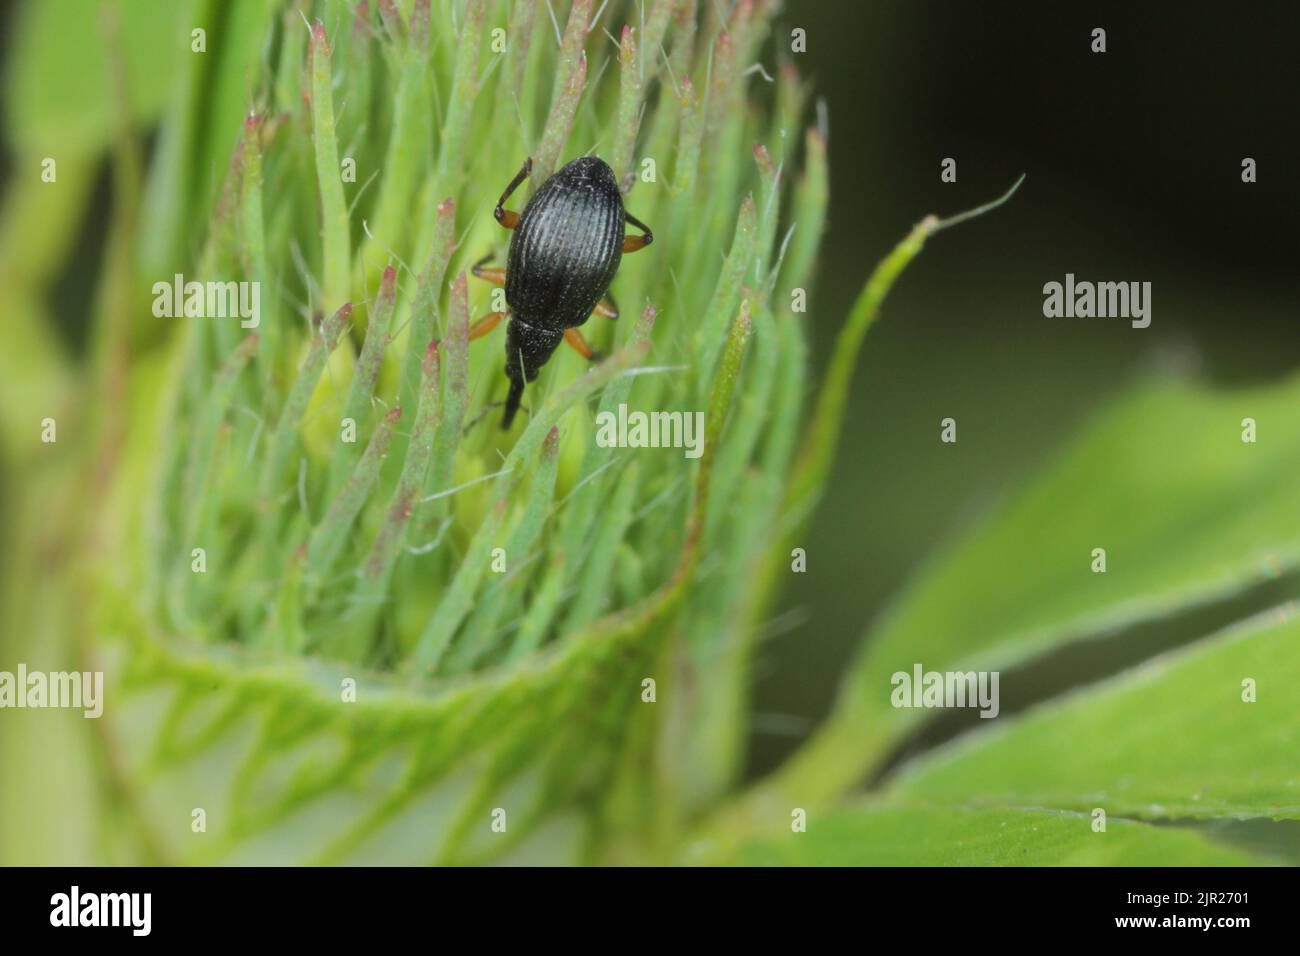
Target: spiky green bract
(408,619)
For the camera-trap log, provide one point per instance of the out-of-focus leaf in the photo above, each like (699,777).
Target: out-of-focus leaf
(1172,739)
(1186,511)
(1184,508)
(58,94)
(948,836)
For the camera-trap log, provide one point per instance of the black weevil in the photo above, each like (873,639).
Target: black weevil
(566,247)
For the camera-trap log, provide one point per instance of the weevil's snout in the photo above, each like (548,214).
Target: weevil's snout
(512,401)
(528,347)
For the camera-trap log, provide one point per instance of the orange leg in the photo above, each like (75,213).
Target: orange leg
(481,327)
(496,275)
(633,243)
(505,216)
(606,306)
(581,345)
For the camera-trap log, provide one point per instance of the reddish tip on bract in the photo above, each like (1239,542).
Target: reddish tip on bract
(391,18)
(320,42)
(361,20)
(420,24)
(431,360)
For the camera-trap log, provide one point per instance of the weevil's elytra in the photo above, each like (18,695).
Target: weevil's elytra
(567,246)
(565,251)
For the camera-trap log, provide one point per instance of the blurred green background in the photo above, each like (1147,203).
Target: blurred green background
(1133,161)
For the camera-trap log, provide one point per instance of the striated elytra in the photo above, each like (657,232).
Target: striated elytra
(566,247)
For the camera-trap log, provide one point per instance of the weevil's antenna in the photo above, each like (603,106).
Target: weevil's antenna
(487,410)
(939,224)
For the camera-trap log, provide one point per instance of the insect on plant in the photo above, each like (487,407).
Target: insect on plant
(565,250)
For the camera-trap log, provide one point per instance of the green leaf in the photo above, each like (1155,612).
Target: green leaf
(328,537)
(334,210)
(1171,739)
(62,109)
(948,836)
(1187,512)
(362,388)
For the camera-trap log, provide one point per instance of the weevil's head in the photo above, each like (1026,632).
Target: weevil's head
(527,349)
